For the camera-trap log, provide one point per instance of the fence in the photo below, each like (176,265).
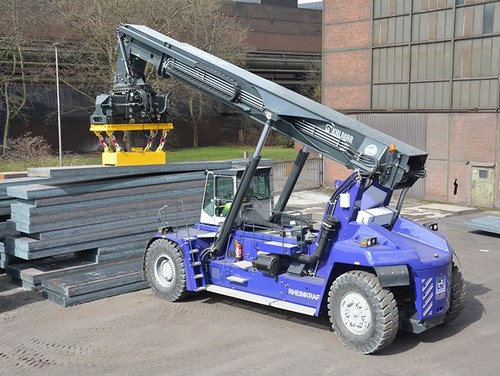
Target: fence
(311,176)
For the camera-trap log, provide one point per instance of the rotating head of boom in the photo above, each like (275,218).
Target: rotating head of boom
(131,99)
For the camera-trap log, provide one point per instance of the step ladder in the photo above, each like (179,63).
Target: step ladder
(197,269)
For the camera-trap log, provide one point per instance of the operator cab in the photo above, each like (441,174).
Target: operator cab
(221,186)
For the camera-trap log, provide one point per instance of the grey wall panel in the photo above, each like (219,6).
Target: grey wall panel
(409,128)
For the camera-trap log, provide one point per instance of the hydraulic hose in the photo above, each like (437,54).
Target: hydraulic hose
(329,228)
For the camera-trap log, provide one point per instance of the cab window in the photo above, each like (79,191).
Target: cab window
(224,188)
(208,204)
(260,187)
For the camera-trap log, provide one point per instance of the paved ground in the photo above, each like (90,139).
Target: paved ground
(314,201)
(137,333)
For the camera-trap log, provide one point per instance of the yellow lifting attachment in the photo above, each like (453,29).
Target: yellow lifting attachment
(115,155)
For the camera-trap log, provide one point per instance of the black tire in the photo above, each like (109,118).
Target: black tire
(457,295)
(165,270)
(372,324)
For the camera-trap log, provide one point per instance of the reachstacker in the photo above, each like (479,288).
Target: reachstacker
(372,270)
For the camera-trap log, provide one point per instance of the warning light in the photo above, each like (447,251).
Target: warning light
(433,226)
(392,148)
(368,242)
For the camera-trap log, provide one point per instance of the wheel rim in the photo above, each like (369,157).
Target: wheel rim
(355,313)
(165,271)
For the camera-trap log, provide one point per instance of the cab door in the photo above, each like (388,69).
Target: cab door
(219,193)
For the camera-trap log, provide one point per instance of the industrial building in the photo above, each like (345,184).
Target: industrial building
(426,71)
(284,40)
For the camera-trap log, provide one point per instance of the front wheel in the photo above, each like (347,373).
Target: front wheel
(457,295)
(165,270)
(363,314)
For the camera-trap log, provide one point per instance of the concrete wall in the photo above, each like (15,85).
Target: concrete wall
(283,3)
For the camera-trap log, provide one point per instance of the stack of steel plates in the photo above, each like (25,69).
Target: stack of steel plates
(5,200)
(94,282)
(29,274)
(9,180)
(79,233)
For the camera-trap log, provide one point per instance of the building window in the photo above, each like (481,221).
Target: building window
(435,54)
(488,17)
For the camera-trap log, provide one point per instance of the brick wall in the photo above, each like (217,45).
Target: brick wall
(346,54)
(346,64)
(457,143)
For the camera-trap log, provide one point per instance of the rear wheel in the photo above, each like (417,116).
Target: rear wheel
(165,270)
(363,314)
(457,295)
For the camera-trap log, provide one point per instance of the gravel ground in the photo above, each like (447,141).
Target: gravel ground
(137,333)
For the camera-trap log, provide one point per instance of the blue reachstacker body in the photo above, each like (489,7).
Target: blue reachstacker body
(374,271)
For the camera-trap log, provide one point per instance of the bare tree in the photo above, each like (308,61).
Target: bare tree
(93,23)
(23,29)
(13,81)
(311,86)
(209,28)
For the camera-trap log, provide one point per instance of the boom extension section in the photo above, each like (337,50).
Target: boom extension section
(391,162)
